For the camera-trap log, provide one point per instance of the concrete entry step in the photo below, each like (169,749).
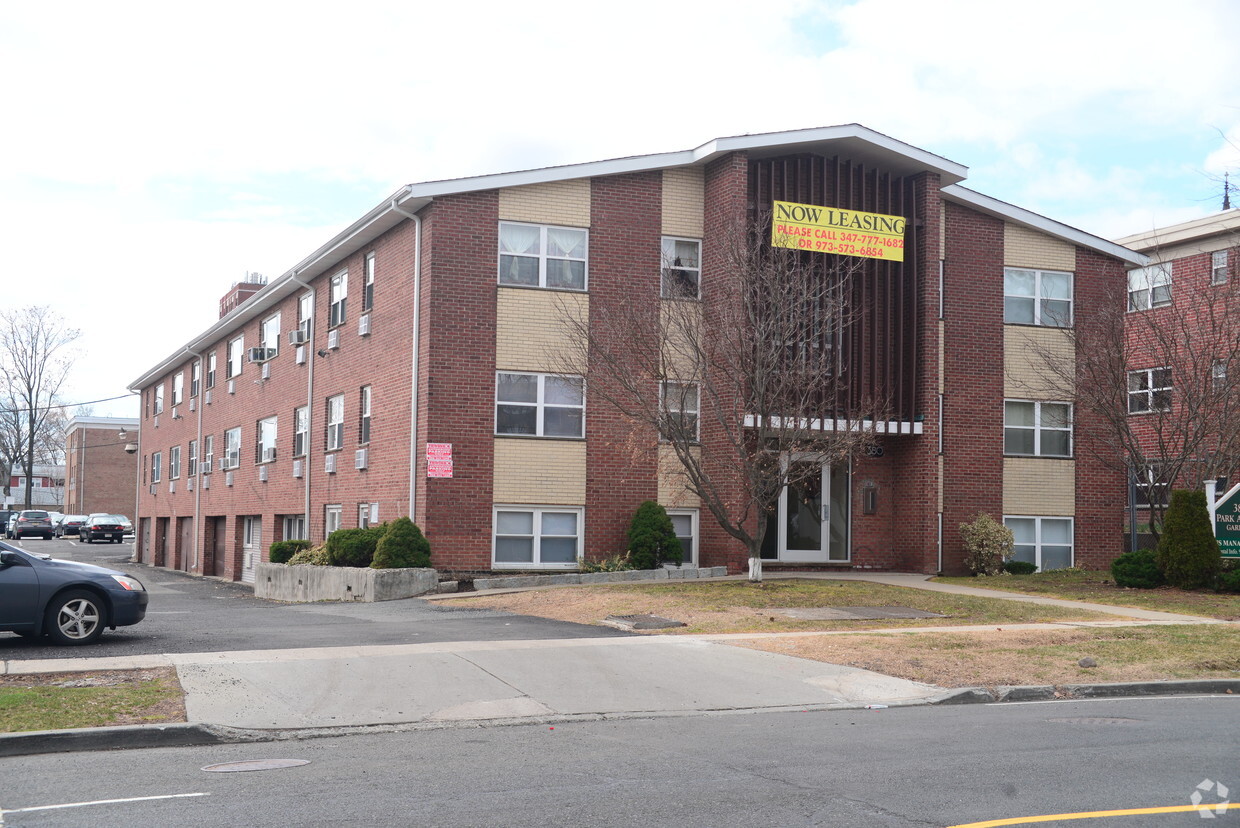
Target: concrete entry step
(641,622)
(852,613)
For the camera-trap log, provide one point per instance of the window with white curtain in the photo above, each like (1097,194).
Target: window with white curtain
(1045,541)
(540,255)
(1149,287)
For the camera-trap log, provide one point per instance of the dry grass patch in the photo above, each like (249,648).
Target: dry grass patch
(57,701)
(1097,586)
(740,606)
(1015,657)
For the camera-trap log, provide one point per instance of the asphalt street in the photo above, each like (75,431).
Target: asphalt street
(189,614)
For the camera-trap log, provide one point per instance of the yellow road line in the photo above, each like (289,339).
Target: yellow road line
(1171,809)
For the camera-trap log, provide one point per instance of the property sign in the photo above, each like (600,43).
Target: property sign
(1227,523)
(843,232)
(438,459)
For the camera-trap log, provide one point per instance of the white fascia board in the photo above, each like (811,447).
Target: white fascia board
(100,422)
(1227,223)
(1034,221)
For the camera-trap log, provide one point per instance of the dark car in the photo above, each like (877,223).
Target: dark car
(68,601)
(108,527)
(70,525)
(33,522)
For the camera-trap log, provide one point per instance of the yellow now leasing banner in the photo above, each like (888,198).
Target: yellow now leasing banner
(832,230)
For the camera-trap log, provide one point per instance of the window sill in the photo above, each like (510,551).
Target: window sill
(557,567)
(540,437)
(1041,456)
(1036,325)
(585,290)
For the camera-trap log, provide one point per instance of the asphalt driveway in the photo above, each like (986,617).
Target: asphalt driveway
(189,614)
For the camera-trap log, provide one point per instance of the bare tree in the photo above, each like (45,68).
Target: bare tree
(35,358)
(1161,385)
(737,383)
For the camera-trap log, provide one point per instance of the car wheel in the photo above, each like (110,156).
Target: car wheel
(75,617)
(88,540)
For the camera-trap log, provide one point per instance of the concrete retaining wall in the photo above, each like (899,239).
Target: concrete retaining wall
(519,581)
(305,583)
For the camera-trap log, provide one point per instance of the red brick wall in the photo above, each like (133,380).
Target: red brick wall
(103,476)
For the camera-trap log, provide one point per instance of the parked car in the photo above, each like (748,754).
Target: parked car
(108,527)
(70,525)
(10,523)
(68,601)
(33,522)
(126,524)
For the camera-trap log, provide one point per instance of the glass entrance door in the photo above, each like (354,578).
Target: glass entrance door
(811,522)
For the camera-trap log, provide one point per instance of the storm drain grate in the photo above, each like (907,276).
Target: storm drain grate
(255,765)
(641,622)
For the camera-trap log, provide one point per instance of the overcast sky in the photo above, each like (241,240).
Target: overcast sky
(153,153)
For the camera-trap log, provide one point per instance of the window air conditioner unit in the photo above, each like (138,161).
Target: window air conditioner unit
(261,354)
(333,339)
(269,454)
(206,482)
(301,354)
(193,403)
(206,396)
(359,458)
(176,415)
(232,386)
(172,487)
(296,468)
(330,464)
(205,466)
(228,479)
(297,337)
(266,372)
(153,487)
(363,325)
(262,474)
(189,485)
(224,463)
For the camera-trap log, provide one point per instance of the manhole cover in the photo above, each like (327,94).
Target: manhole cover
(852,613)
(641,622)
(1095,720)
(255,765)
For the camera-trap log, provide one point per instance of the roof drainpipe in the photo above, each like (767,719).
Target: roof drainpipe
(195,564)
(417,331)
(306,471)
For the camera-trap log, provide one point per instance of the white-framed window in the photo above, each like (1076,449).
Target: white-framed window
(1149,390)
(232,448)
(305,314)
(294,527)
(174,463)
(178,387)
(541,255)
(335,422)
(159,399)
(1218,267)
(680,406)
(265,447)
(363,430)
(1152,486)
(269,335)
(301,427)
(208,451)
(333,514)
(157,467)
(685,524)
(682,268)
(236,350)
(368,286)
(539,405)
(1218,374)
(1045,541)
(1037,297)
(211,370)
(192,468)
(1149,287)
(195,378)
(1037,429)
(339,291)
(365,511)
(536,536)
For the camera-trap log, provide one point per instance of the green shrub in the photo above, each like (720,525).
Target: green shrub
(1187,552)
(354,547)
(614,563)
(987,544)
(402,545)
(652,539)
(1013,567)
(1137,570)
(1229,576)
(314,556)
(281,551)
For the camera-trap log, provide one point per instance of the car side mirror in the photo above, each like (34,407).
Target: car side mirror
(7,558)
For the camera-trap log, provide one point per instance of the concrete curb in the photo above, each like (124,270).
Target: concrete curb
(113,738)
(1067,692)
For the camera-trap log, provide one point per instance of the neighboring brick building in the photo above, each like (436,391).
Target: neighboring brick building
(431,321)
(100,475)
(1183,355)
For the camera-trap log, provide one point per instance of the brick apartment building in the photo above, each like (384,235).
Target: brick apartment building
(426,328)
(100,475)
(1183,355)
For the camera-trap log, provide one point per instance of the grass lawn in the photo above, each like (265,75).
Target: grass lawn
(740,607)
(56,701)
(1097,586)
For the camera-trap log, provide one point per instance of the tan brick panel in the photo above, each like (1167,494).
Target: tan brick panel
(550,472)
(673,493)
(683,195)
(1038,363)
(1039,486)
(556,202)
(1023,247)
(532,330)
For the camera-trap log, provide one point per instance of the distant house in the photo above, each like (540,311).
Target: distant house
(47,490)
(99,474)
